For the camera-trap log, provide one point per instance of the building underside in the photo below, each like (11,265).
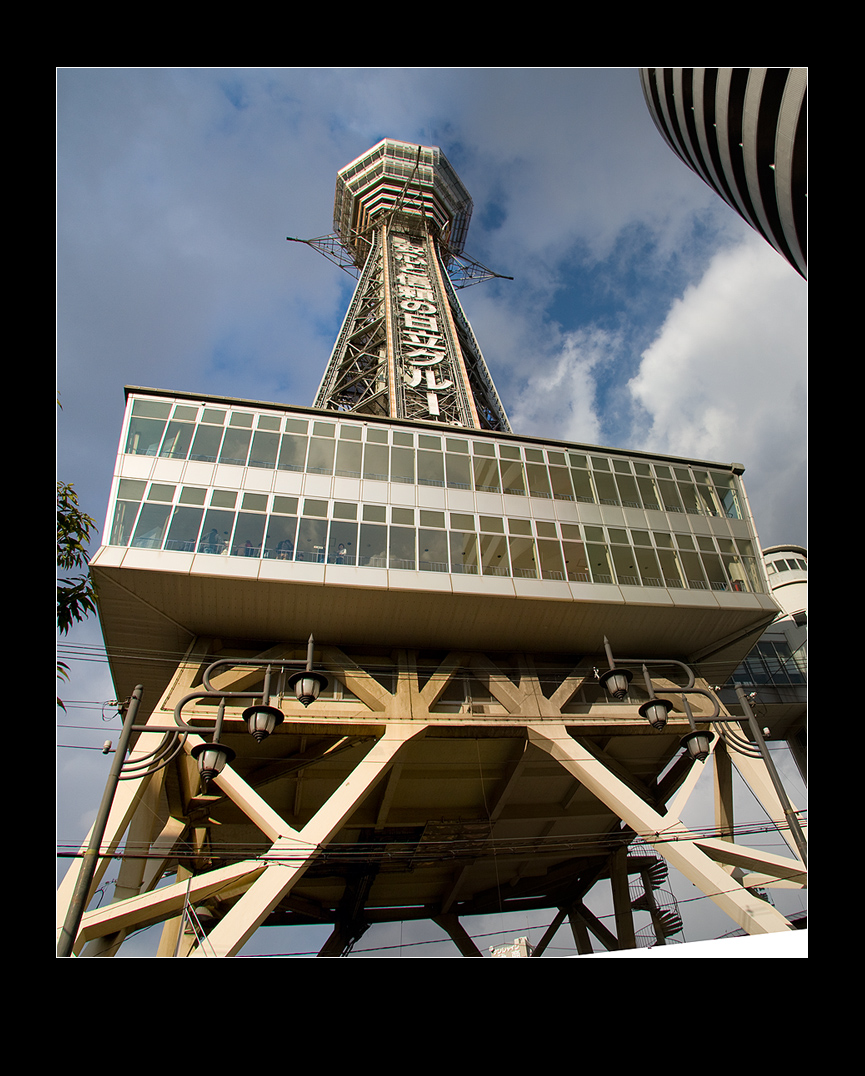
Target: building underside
(434,785)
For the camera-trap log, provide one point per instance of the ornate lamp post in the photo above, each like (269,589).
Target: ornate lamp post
(212,756)
(698,742)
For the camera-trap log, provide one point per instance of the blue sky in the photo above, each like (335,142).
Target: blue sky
(643,312)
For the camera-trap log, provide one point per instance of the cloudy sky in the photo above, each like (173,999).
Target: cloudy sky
(643,312)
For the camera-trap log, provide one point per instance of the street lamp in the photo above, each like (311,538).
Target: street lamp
(307,684)
(655,710)
(698,742)
(261,718)
(212,757)
(615,681)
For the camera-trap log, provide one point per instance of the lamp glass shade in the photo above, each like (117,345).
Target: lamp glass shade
(655,712)
(698,744)
(212,759)
(262,720)
(307,685)
(616,682)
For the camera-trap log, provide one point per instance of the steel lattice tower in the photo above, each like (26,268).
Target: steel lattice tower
(406,349)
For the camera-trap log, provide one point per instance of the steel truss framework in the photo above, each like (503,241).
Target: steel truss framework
(538,793)
(406,349)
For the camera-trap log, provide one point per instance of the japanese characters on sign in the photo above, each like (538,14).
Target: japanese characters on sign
(422,343)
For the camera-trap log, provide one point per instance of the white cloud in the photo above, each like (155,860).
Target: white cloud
(725,379)
(561,395)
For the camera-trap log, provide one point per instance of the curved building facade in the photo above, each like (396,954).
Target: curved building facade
(743,131)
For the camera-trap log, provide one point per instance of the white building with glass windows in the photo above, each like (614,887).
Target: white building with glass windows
(373,526)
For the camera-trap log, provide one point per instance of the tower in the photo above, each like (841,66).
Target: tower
(470,660)
(406,349)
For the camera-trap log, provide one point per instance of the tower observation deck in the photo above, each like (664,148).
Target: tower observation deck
(406,349)
(459,582)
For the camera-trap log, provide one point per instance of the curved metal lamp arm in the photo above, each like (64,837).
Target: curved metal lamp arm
(664,661)
(716,706)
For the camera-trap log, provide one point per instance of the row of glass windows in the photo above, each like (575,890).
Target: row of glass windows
(224,522)
(392,455)
(773,662)
(792,564)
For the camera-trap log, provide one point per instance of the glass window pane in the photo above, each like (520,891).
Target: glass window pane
(693,505)
(144,436)
(726,486)
(264,448)
(606,487)
(184,529)
(628,492)
(402,548)
(216,531)
(494,555)
(599,563)
(124,521)
(375,462)
(649,493)
(576,564)
(248,535)
(560,481)
(292,453)
(715,572)
(205,447)
(430,518)
(625,565)
(348,455)
(693,569)
(671,571)
(492,524)
(192,495)
(538,480)
(736,571)
(432,551)
(321,452)
(235,446)
(464,553)
(150,529)
(550,554)
(650,572)
(669,495)
(459,475)
(512,477)
(342,542)
(151,409)
(430,468)
(311,535)
(177,440)
(583,489)
(280,538)
(402,464)
(286,506)
(373,545)
(486,472)
(523,557)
